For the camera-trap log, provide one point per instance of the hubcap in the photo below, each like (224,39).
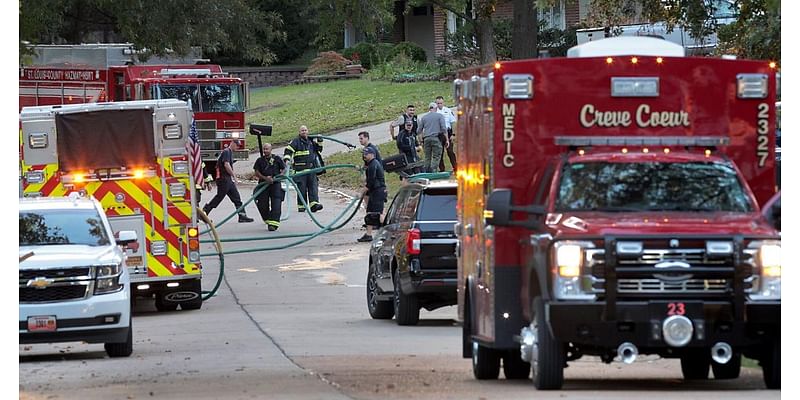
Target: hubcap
(474,354)
(396,293)
(535,347)
(373,291)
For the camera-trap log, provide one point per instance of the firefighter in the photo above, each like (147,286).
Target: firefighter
(269,200)
(226,184)
(375,189)
(303,154)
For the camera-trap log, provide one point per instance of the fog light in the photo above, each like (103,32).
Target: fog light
(677,330)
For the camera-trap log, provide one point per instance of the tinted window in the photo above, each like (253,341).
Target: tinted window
(61,227)
(601,186)
(438,205)
(391,215)
(410,206)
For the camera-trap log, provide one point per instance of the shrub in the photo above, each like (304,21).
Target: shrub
(327,63)
(369,54)
(412,50)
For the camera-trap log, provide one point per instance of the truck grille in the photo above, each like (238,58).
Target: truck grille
(53,293)
(55,273)
(666,283)
(62,284)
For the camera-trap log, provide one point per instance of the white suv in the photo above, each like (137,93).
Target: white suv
(73,284)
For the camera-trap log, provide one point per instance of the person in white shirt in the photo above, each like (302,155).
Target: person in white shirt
(449,119)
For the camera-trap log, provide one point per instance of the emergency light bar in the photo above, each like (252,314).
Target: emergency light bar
(186,72)
(700,141)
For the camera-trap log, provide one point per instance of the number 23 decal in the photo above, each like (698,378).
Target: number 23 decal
(676,309)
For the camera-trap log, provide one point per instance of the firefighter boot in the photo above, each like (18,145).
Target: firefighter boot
(316,207)
(244,218)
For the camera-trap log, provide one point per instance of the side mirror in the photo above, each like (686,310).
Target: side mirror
(498,208)
(127,239)
(776,215)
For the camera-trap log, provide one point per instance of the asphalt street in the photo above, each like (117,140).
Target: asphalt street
(293,324)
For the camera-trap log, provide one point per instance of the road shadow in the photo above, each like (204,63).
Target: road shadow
(81,356)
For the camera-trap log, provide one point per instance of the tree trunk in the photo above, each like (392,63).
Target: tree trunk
(524,39)
(484,32)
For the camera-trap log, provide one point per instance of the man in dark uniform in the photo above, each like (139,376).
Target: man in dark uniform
(225,183)
(375,188)
(407,144)
(302,153)
(269,200)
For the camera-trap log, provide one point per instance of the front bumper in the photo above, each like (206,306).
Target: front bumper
(640,322)
(100,318)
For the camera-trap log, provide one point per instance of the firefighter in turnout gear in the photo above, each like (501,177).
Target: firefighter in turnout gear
(226,185)
(269,200)
(303,154)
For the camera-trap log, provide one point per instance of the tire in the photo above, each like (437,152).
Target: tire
(163,305)
(123,349)
(547,365)
(514,367)
(197,303)
(771,365)
(406,307)
(694,366)
(485,362)
(378,309)
(729,370)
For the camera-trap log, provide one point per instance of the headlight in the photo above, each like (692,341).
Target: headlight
(570,281)
(107,279)
(768,263)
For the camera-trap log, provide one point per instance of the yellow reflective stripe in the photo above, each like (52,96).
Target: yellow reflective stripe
(290,148)
(152,263)
(302,153)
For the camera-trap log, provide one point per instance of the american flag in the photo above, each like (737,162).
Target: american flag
(193,147)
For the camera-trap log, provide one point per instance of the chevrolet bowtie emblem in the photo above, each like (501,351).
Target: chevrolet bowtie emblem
(40,283)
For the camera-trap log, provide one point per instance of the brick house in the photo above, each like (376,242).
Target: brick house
(428,25)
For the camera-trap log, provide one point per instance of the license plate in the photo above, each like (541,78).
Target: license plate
(45,323)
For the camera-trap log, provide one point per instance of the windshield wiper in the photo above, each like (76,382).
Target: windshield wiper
(608,209)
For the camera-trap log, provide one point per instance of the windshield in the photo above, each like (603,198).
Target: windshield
(602,186)
(205,97)
(186,93)
(438,205)
(45,227)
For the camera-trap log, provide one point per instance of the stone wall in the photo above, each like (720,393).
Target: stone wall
(267,76)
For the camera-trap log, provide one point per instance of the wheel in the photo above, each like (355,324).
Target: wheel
(694,366)
(123,349)
(729,370)
(163,305)
(406,307)
(485,362)
(378,309)
(771,365)
(547,365)
(514,367)
(197,302)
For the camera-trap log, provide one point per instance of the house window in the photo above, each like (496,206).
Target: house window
(421,11)
(553,17)
(454,22)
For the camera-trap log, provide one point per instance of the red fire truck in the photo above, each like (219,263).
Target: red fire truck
(141,177)
(88,73)
(616,212)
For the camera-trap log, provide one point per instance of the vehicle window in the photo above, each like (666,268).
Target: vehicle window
(410,206)
(46,227)
(603,186)
(222,98)
(438,205)
(391,215)
(187,93)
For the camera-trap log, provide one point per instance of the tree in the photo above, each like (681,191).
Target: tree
(161,26)
(756,34)
(368,16)
(524,40)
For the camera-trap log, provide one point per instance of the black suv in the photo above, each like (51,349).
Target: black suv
(412,261)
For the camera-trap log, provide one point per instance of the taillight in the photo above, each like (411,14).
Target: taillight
(194,242)
(413,241)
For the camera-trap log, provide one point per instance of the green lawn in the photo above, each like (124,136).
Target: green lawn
(353,180)
(333,106)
